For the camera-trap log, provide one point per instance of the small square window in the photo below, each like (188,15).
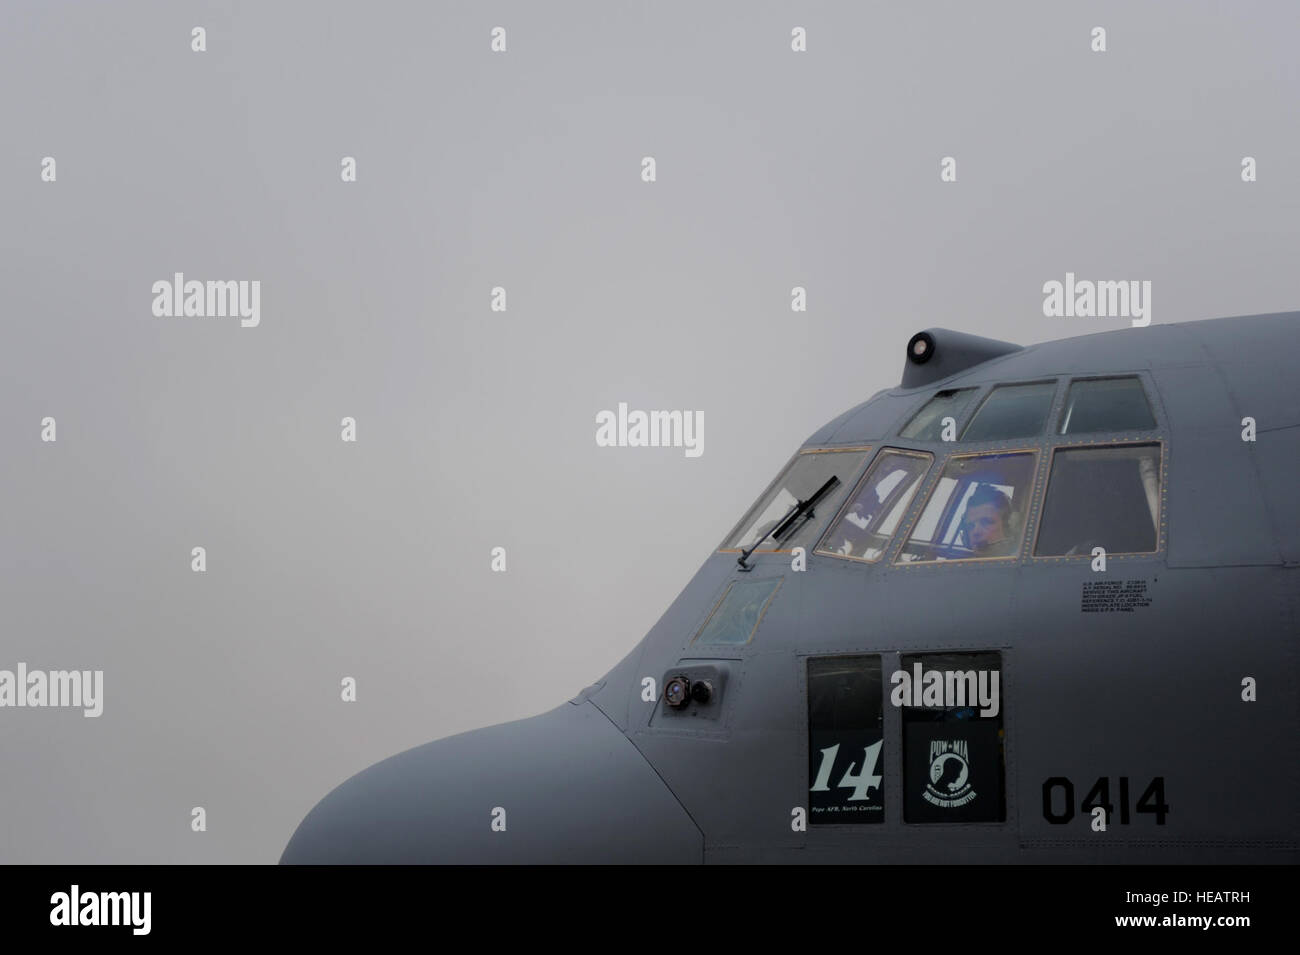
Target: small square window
(739,612)
(927,425)
(1012,411)
(1106,404)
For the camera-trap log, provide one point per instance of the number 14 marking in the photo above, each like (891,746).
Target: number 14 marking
(859,783)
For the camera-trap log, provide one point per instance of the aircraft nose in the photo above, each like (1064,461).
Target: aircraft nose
(562,787)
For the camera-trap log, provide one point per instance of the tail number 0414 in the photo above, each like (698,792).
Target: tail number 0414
(1151,801)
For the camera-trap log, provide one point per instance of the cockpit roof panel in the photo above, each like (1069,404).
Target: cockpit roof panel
(1261,350)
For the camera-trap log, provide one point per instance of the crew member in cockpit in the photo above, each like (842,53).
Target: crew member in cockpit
(986,523)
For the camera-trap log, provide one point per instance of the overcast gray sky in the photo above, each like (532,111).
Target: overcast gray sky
(475,428)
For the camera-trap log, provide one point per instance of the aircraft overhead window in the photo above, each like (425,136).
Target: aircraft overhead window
(739,612)
(927,425)
(1011,411)
(845,738)
(803,477)
(977,509)
(1106,404)
(868,521)
(1101,497)
(954,762)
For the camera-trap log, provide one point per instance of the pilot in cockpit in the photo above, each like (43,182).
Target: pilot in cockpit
(985,523)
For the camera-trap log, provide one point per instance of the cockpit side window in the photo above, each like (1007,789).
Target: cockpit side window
(1012,411)
(1106,404)
(867,522)
(976,510)
(1105,497)
(801,479)
(927,425)
(737,615)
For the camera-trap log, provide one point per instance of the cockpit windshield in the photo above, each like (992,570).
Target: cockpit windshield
(1102,496)
(864,528)
(801,479)
(976,510)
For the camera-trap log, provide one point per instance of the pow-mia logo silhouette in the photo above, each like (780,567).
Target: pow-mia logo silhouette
(949,784)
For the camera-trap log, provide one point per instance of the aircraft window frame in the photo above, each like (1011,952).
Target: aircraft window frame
(1030,513)
(994,388)
(894,496)
(740,525)
(1162,524)
(1145,389)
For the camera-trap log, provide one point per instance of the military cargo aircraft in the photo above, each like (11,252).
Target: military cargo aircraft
(1036,604)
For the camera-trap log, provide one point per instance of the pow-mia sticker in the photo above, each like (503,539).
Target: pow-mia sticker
(950,780)
(953,772)
(954,764)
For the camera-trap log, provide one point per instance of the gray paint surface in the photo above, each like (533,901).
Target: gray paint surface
(563,787)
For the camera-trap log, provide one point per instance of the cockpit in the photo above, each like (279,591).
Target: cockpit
(976,510)
(1048,468)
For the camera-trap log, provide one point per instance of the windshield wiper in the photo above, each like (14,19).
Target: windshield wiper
(785,527)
